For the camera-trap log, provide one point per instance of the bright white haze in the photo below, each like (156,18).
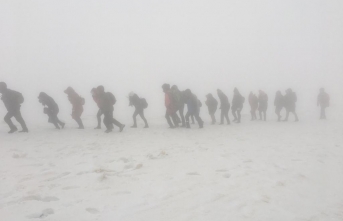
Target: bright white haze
(202,45)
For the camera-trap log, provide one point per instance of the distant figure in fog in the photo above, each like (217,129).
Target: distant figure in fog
(51,109)
(12,101)
(95,96)
(224,107)
(290,99)
(192,108)
(140,104)
(253,101)
(279,104)
(262,105)
(177,96)
(323,101)
(171,107)
(106,103)
(212,105)
(237,105)
(77,103)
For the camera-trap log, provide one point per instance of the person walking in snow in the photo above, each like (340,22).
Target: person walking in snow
(12,101)
(290,99)
(180,103)
(253,101)
(51,109)
(106,103)
(212,105)
(140,104)
(323,101)
(171,107)
(279,104)
(77,105)
(237,105)
(224,107)
(192,108)
(262,105)
(95,96)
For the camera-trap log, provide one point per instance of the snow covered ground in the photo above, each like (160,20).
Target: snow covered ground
(252,171)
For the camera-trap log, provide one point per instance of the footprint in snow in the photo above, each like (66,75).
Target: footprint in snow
(193,174)
(41,215)
(92,210)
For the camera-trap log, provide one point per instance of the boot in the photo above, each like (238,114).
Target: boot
(24,130)
(121,128)
(108,131)
(188,125)
(14,129)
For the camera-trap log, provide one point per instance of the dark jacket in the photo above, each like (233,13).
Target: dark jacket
(323,99)
(48,101)
(106,101)
(262,101)
(12,100)
(253,101)
(211,103)
(290,99)
(192,104)
(137,102)
(224,101)
(237,101)
(279,100)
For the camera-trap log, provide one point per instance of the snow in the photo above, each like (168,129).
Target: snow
(252,171)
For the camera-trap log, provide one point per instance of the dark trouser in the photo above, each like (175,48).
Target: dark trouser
(139,112)
(278,111)
(98,116)
(293,112)
(213,117)
(263,114)
(237,114)
(253,114)
(77,117)
(224,114)
(181,110)
(109,120)
(197,117)
(322,112)
(17,115)
(172,116)
(54,119)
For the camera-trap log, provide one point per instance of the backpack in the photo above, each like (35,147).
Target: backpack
(82,101)
(20,97)
(111,98)
(144,103)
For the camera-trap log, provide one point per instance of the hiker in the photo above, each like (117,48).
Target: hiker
(253,101)
(180,104)
(323,101)
(290,99)
(51,109)
(279,104)
(140,104)
(106,103)
(224,107)
(95,96)
(77,102)
(237,105)
(171,107)
(212,105)
(262,105)
(192,108)
(13,101)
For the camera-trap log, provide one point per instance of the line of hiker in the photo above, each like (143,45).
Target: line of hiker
(175,103)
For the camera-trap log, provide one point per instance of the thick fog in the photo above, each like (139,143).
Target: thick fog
(202,45)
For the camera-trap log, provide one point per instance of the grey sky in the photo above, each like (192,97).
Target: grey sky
(203,45)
